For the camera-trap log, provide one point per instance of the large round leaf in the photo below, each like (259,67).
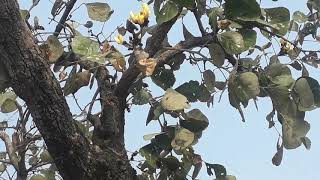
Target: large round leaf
(242,9)
(293,131)
(87,48)
(279,17)
(195,121)
(306,92)
(168,12)
(217,54)
(249,84)
(99,11)
(183,138)
(163,78)
(232,42)
(8,102)
(174,101)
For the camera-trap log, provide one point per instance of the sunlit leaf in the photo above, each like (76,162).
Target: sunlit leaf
(8,102)
(87,48)
(232,42)
(173,101)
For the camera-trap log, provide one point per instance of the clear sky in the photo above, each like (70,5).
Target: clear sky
(245,149)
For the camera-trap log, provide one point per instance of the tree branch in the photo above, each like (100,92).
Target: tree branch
(64,17)
(10,149)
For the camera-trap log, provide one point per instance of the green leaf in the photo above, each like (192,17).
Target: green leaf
(167,12)
(209,80)
(76,81)
(293,26)
(148,137)
(249,37)
(87,48)
(8,102)
(171,162)
(279,17)
(219,170)
(186,3)
(306,93)
(232,42)
(280,75)
(306,142)
(277,158)
(163,78)
(154,112)
(183,138)
(141,97)
(242,9)
(46,157)
(195,121)
(55,48)
(293,131)
(213,15)
(174,101)
(217,54)
(189,89)
(3,167)
(38,177)
(248,83)
(9,106)
(203,94)
(299,17)
(99,11)
(151,153)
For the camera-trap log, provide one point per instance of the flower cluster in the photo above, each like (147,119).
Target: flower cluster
(142,17)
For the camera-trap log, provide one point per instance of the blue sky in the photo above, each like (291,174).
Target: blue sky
(245,149)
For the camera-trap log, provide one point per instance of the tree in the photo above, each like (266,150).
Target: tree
(36,75)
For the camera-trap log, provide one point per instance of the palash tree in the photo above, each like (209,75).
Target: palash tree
(39,68)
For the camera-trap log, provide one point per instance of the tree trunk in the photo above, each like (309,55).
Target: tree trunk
(32,80)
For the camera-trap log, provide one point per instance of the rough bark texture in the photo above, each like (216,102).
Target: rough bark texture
(32,80)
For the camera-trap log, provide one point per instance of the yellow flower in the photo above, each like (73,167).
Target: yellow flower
(134,18)
(145,11)
(119,39)
(142,16)
(141,19)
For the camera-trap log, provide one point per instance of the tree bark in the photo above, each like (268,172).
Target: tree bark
(32,80)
